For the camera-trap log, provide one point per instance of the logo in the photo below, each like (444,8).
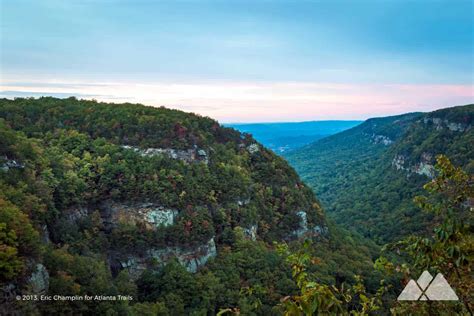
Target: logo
(428,289)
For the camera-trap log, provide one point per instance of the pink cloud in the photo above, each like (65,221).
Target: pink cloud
(258,102)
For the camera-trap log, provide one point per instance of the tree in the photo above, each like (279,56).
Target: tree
(18,239)
(10,263)
(316,298)
(450,248)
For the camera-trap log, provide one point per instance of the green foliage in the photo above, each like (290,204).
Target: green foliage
(83,166)
(253,275)
(68,162)
(149,309)
(354,175)
(316,298)
(10,264)
(344,255)
(18,240)
(248,279)
(63,163)
(450,248)
(131,124)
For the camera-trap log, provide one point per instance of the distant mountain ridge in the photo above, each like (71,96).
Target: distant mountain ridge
(367,176)
(284,137)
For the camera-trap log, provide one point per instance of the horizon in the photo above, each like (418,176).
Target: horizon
(243,62)
(287,122)
(242,122)
(236,157)
(250,122)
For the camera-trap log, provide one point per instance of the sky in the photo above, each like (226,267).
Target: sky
(243,61)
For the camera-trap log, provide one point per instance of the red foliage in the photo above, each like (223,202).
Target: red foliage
(188,226)
(180,130)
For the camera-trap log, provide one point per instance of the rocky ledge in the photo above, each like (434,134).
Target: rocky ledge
(305,230)
(150,214)
(440,124)
(423,167)
(8,164)
(192,155)
(381,139)
(190,258)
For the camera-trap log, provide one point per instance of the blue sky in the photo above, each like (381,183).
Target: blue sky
(312,47)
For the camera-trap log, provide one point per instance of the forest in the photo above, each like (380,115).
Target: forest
(185,217)
(236,158)
(366,177)
(82,183)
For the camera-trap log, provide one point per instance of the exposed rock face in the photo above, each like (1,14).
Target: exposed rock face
(399,162)
(254,148)
(320,230)
(186,155)
(456,127)
(424,167)
(152,215)
(439,124)
(381,139)
(161,216)
(135,266)
(251,232)
(10,164)
(303,224)
(192,259)
(304,230)
(45,235)
(76,213)
(39,279)
(242,202)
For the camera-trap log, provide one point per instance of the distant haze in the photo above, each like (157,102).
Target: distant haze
(285,137)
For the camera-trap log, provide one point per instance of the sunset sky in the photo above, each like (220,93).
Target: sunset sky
(243,61)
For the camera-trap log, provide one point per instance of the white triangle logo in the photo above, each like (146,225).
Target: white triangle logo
(426,288)
(439,290)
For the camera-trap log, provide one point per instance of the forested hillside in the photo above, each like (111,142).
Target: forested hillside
(366,177)
(167,207)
